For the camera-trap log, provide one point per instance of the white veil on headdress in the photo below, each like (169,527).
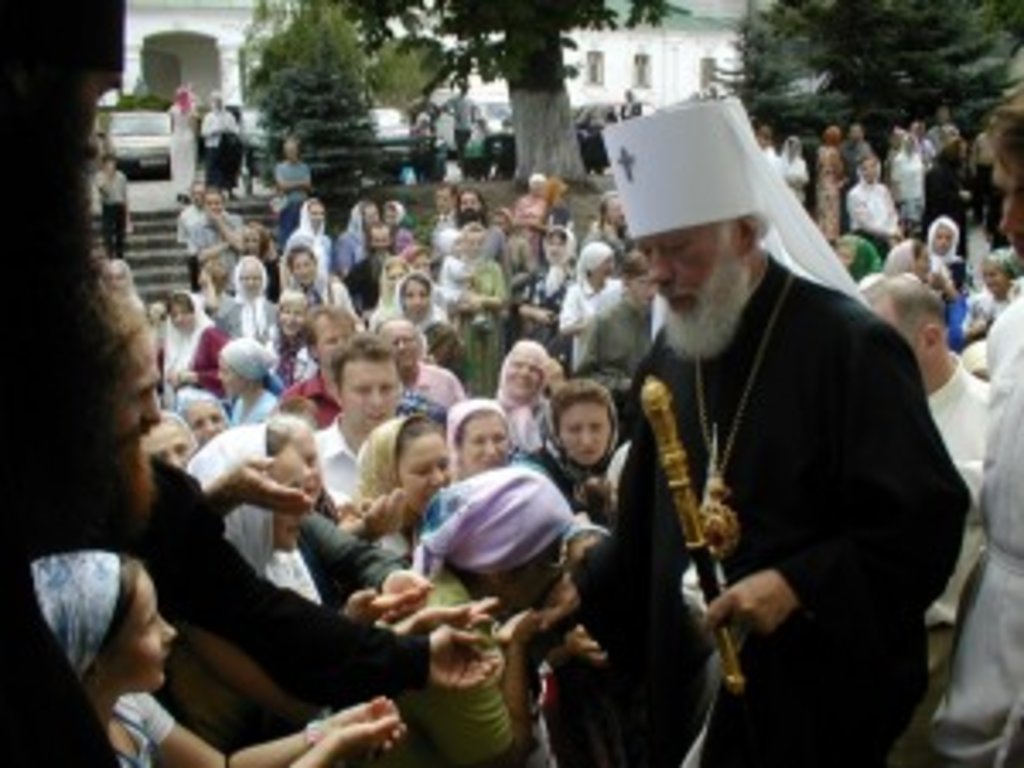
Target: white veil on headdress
(698,163)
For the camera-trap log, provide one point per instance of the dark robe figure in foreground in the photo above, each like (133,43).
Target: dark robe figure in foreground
(841,483)
(52,498)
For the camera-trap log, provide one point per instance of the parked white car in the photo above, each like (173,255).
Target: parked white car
(141,142)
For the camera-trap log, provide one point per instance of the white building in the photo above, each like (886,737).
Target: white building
(660,65)
(169,42)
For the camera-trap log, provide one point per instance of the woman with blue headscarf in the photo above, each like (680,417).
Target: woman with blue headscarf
(247,372)
(102,609)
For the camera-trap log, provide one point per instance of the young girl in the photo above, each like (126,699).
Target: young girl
(294,363)
(102,608)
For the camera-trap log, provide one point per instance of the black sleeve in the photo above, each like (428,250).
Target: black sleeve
(900,503)
(314,653)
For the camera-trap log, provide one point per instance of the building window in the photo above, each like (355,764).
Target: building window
(595,68)
(641,71)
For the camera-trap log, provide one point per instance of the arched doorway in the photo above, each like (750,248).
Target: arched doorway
(172,58)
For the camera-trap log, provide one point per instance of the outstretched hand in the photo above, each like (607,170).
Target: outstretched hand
(465,616)
(249,483)
(459,661)
(360,731)
(402,593)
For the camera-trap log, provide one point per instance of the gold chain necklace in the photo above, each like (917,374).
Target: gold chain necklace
(721,525)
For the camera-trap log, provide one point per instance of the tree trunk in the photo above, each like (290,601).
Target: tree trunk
(541,117)
(545,135)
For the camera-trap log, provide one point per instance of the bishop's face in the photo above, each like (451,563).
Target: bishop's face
(704,274)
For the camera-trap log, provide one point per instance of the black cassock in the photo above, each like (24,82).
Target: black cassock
(842,483)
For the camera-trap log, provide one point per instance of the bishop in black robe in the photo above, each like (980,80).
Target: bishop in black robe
(843,485)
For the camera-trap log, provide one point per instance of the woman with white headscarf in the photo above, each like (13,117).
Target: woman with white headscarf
(312,231)
(245,370)
(540,294)
(415,298)
(594,290)
(191,350)
(252,315)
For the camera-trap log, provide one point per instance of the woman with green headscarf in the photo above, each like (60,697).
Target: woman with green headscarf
(859,256)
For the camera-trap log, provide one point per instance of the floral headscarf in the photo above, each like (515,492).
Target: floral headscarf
(77,593)
(493,522)
(524,416)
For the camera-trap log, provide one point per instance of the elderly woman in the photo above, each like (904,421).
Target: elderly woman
(497,534)
(171,440)
(541,293)
(478,437)
(593,291)
(521,394)
(252,315)
(245,369)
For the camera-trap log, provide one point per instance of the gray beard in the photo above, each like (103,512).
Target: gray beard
(708,328)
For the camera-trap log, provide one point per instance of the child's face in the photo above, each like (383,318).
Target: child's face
(134,661)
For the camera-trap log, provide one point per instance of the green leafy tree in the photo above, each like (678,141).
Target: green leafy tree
(400,72)
(776,82)
(522,41)
(809,63)
(310,83)
(1007,16)
(913,57)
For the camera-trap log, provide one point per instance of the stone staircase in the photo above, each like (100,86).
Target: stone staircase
(157,260)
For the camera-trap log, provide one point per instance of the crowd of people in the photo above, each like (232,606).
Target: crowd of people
(402,505)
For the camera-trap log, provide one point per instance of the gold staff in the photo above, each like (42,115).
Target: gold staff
(657,404)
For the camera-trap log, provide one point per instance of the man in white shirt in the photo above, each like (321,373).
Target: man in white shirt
(872,210)
(216,125)
(959,404)
(365,378)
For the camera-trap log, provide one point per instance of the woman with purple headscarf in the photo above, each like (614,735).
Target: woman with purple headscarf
(496,534)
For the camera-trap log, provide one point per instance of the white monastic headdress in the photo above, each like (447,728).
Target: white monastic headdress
(698,163)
